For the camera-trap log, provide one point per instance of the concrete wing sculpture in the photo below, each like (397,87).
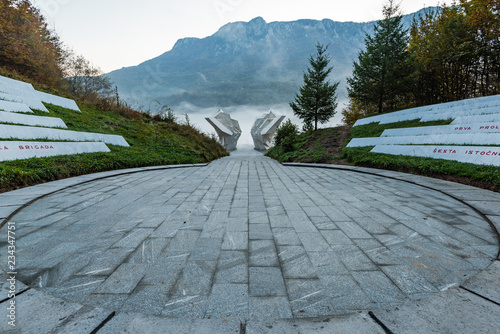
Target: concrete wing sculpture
(263,130)
(227,129)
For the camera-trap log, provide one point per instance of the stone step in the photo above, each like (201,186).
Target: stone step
(16,150)
(51,122)
(29,133)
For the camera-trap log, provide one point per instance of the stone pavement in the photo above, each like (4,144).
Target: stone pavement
(246,245)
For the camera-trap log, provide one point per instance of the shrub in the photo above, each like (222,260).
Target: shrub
(286,136)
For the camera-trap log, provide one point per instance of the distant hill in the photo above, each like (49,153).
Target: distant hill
(244,63)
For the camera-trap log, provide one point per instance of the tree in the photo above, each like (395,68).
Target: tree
(457,52)
(382,74)
(85,80)
(27,46)
(286,136)
(317,100)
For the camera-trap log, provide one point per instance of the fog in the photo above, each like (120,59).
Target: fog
(246,116)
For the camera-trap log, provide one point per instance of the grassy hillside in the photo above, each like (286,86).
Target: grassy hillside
(328,146)
(152,142)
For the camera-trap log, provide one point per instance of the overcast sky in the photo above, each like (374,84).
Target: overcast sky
(119,33)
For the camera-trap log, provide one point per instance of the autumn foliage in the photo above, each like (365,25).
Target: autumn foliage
(452,54)
(457,52)
(27,46)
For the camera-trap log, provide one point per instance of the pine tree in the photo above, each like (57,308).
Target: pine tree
(381,76)
(317,100)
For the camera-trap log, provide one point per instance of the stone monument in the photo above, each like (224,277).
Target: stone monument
(227,129)
(263,130)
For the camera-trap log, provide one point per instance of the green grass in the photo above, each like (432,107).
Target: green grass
(484,176)
(375,129)
(309,149)
(152,143)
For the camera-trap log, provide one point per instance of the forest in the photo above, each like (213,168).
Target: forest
(447,55)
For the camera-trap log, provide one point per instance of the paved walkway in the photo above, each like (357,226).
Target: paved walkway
(248,245)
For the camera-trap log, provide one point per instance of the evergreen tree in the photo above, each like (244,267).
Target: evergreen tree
(317,100)
(381,76)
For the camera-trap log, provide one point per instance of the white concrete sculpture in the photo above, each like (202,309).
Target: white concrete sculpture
(263,130)
(227,129)
(14,150)
(27,133)
(51,122)
(479,155)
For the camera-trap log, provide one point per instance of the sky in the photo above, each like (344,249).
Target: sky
(119,33)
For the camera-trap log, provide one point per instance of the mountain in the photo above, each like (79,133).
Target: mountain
(244,63)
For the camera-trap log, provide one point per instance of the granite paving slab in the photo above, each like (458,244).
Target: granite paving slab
(246,239)
(451,311)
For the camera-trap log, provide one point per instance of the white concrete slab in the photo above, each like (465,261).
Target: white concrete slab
(27,133)
(446,139)
(10,106)
(444,129)
(14,84)
(15,150)
(416,113)
(51,122)
(454,114)
(479,155)
(18,91)
(58,101)
(27,97)
(477,119)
